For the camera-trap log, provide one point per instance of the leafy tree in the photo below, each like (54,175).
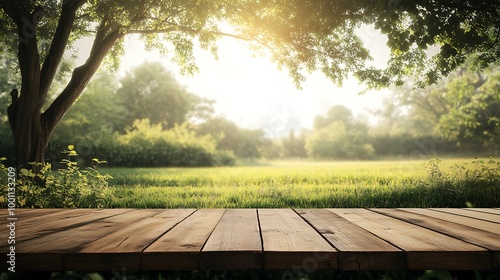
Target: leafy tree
(338,141)
(298,35)
(145,144)
(294,146)
(151,92)
(473,109)
(339,136)
(464,108)
(338,113)
(245,143)
(91,117)
(399,117)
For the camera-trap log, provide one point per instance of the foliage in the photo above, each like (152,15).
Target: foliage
(100,118)
(464,179)
(244,143)
(339,136)
(151,92)
(405,145)
(463,108)
(297,35)
(475,111)
(69,187)
(294,147)
(451,30)
(146,144)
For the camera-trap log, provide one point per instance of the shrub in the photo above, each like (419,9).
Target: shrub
(475,185)
(69,187)
(147,145)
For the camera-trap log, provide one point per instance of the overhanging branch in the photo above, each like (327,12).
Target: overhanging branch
(80,78)
(58,46)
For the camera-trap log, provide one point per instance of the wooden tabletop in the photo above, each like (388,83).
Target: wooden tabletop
(233,239)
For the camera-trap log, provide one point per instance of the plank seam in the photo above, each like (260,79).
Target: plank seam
(490,252)
(457,214)
(405,252)
(261,242)
(208,237)
(156,239)
(434,230)
(77,225)
(479,211)
(312,226)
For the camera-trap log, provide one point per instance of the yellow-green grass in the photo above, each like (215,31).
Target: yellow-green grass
(306,184)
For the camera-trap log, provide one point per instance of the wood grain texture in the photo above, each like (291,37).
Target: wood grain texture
(463,232)
(235,242)
(60,221)
(289,242)
(292,240)
(49,249)
(365,251)
(179,249)
(471,222)
(123,246)
(22,213)
(472,214)
(486,210)
(425,249)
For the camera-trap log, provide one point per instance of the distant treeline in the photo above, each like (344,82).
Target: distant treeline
(146,119)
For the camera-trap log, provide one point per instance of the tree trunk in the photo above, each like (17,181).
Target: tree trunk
(30,134)
(32,128)
(30,141)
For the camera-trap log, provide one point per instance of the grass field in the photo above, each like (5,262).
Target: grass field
(446,183)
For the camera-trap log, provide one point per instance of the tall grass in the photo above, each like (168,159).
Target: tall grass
(435,183)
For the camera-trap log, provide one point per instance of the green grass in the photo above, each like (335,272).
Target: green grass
(449,183)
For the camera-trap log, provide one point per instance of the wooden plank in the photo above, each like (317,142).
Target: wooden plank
(46,252)
(364,252)
(426,249)
(471,222)
(22,213)
(235,242)
(464,212)
(289,241)
(123,247)
(43,225)
(486,210)
(463,232)
(179,249)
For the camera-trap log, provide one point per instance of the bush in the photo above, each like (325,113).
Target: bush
(475,185)
(148,145)
(69,187)
(336,141)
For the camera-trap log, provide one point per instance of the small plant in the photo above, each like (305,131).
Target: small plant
(474,183)
(69,187)
(433,170)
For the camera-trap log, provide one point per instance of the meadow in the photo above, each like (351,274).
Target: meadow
(304,184)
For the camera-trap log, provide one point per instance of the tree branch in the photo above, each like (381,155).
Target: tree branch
(14,11)
(58,46)
(80,78)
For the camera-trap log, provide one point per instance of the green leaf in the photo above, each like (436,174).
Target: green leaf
(25,172)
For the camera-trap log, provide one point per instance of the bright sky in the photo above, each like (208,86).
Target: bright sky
(252,92)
